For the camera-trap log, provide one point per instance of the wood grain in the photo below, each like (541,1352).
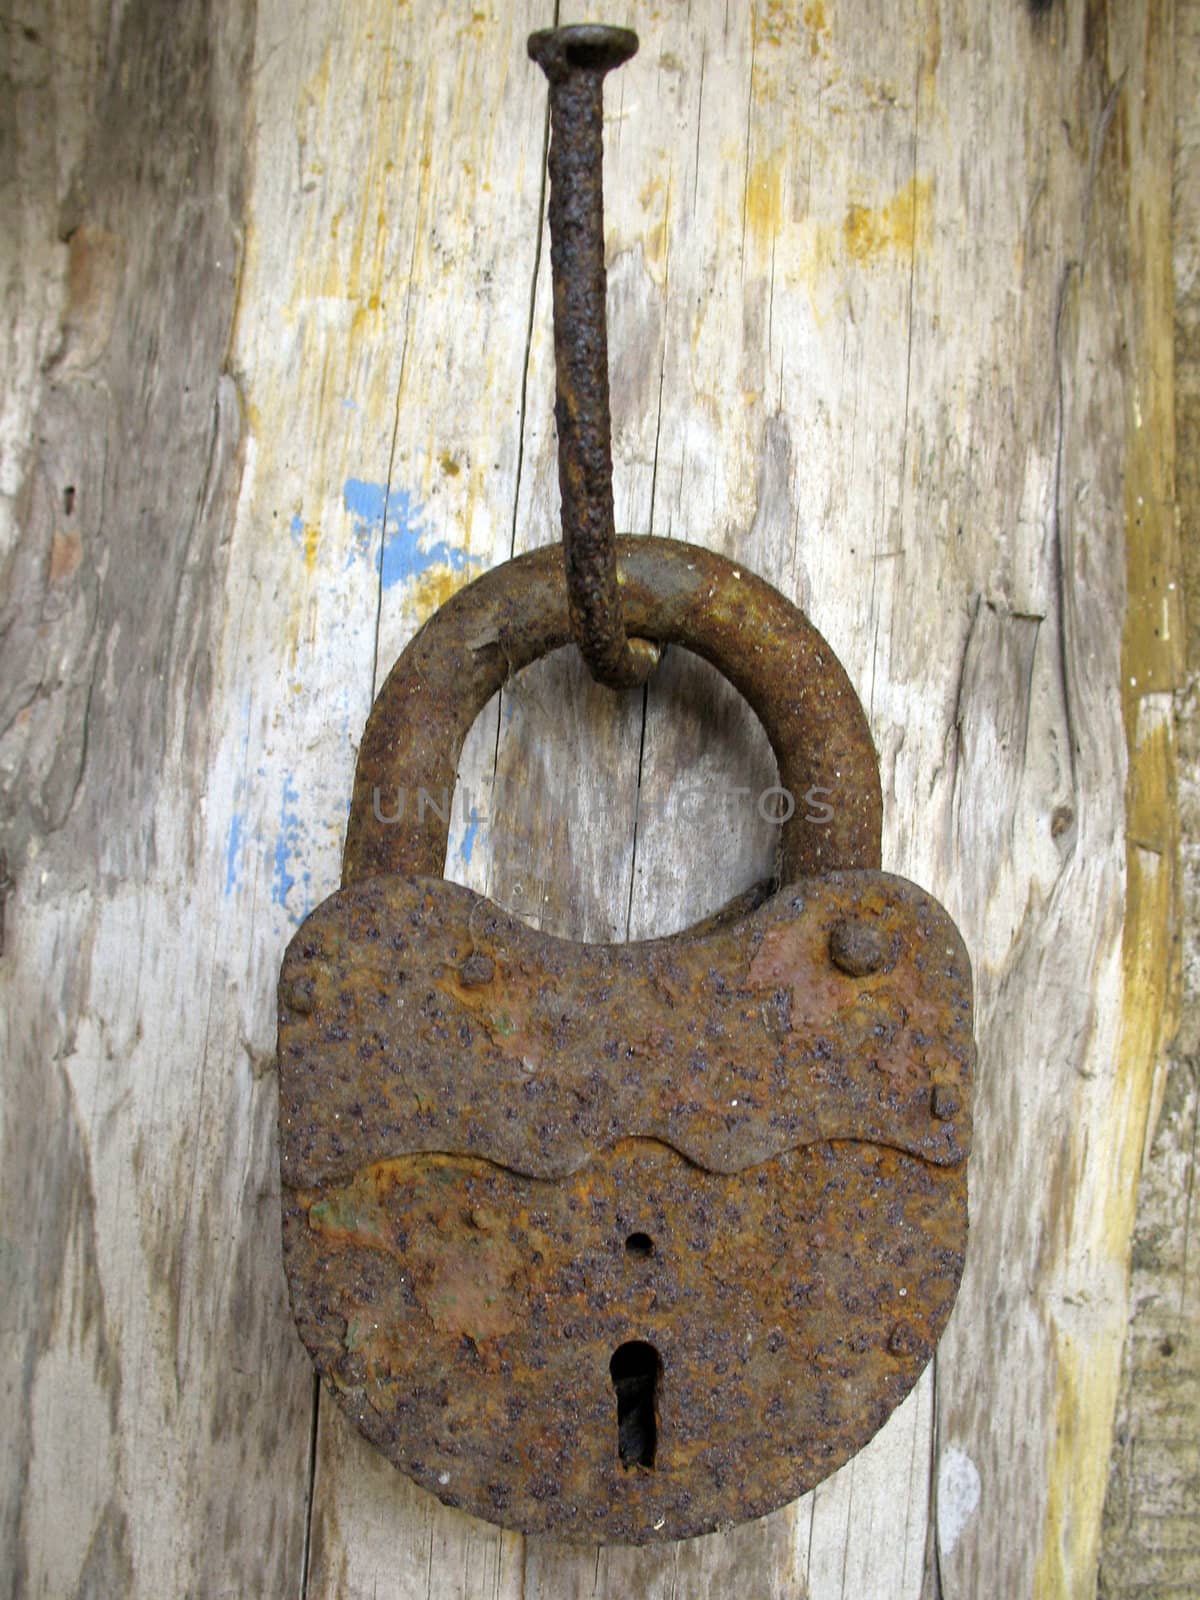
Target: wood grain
(890,322)
(1151,1531)
(156,1412)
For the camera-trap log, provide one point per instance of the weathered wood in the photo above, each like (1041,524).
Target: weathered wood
(157,1415)
(890,322)
(1151,1535)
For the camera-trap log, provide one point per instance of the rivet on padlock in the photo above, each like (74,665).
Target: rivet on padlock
(621,1242)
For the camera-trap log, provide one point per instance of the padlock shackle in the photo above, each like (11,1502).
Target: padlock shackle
(672,593)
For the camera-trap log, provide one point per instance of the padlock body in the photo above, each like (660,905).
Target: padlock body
(623,1242)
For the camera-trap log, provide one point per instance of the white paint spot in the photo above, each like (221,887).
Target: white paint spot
(957,1496)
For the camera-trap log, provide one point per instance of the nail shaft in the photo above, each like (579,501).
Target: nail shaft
(575,61)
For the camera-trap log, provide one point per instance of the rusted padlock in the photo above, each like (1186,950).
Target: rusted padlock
(623,1242)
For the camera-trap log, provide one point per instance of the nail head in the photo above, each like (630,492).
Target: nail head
(856,949)
(297,994)
(477,969)
(587,47)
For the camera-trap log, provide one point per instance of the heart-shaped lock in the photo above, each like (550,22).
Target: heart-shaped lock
(623,1242)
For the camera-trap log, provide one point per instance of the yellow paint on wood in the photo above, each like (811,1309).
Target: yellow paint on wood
(817,24)
(433,588)
(900,227)
(655,197)
(1152,655)
(312,537)
(891,232)
(1149,959)
(1087,1378)
(782,23)
(764,198)
(1153,643)
(773,22)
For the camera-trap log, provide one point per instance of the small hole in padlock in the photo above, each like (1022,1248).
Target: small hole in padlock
(639,1245)
(634,1369)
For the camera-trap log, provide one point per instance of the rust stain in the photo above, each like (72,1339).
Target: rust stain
(66,552)
(460,1263)
(470,1286)
(94,272)
(900,227)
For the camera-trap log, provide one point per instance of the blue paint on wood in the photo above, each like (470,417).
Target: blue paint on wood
(233,864)
(469,837)
(395,520)
(287,843)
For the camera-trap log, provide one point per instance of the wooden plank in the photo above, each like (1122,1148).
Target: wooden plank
(157,1413)
(1151,1535)
(1062,1225)
(887,321)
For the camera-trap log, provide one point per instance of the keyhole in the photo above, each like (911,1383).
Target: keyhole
(635,1368)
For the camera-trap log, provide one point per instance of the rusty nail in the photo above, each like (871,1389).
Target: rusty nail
(856,948)
(575,61)
(945,1103)
(476,970)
